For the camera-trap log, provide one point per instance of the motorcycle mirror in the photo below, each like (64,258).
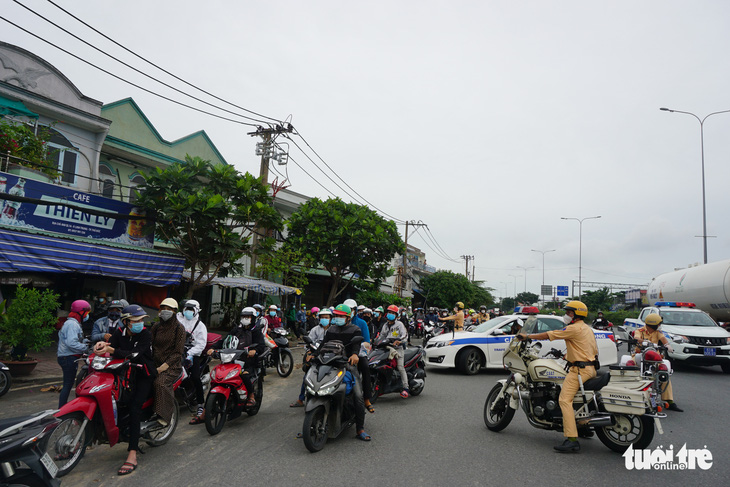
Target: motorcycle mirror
(133,355)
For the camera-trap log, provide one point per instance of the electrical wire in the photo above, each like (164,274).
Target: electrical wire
(442,251)
(159,67)
(125,80)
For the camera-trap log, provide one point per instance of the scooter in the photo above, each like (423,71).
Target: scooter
(23,460)
(433,329)
(281,357)
(6,380)
(228,395)
(99,413)
(329,408)
(620,406)
(384,373)
(186,392)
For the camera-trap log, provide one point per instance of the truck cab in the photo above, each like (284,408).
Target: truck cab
(694,336)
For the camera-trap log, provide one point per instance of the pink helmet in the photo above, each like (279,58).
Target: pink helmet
(315,310)
(79,306)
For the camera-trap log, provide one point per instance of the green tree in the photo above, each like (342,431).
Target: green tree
(527,298)
(284,263)
(350,241)
(445,288)
(26,323)
(28,147)
(207,212)
(600,300)
(373,298)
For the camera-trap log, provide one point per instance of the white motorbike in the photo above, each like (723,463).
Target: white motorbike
(620,406)
(651,364)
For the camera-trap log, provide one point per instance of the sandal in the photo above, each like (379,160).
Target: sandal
(125,469)
(370,408)
(298,404)
(197,420)
(251,403)
(363,436)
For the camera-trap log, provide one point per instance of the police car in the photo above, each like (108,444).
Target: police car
(470,351)
(695,337)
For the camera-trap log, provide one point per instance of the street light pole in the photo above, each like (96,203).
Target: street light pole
(543,252)
(525,269)
(702,149)
(515,290)
(580,249)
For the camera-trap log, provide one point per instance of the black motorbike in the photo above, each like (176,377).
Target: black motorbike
(6,380)
(281,357)
(329,408)
(384,374)
(22,457)
(186,392)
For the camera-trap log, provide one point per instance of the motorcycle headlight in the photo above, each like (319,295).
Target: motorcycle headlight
(99,363)
(311,391)
(231,374)
(227,357)
(326,391)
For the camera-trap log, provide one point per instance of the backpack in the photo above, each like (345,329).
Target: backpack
(189,336)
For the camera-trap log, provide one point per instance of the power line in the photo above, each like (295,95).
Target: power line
(433,239)
(160,68)
(125,80)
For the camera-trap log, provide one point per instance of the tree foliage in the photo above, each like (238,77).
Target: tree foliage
(350,241)
(207,212)
(27,322)
(28,147)
(373,298)
(284,263)
(444,288)
(600,300)
(527,298)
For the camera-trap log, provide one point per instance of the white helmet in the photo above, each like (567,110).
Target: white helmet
(352,304)
(231,341)
(192,304)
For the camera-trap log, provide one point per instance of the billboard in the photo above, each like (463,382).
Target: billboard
(60,209)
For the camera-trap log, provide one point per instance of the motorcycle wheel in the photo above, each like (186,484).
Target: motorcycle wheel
(215,413)
(374,387)
(497,413)
(286,363)
(5,382)
(314,430)
(417,390)
(628,430)
(259,396)
(161,436)
(60,447)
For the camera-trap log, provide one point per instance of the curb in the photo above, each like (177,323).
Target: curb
(36,380)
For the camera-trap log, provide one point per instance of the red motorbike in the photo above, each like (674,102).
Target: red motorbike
(228,395)
(99,413)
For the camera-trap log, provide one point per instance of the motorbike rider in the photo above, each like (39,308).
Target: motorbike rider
(133,337)
(362,365)
(396,330)
(104,327)
(312,319)
(71,345)
(248,336)
(650,331)
(168,350)
(260,321)
(378,318)
(581,355)
(457,317)
(600,323)
(272,319)
(316,334)
(196,339)
(483,315)
(345,332)
(432,315)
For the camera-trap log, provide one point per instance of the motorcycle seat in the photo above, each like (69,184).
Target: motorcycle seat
(410,353)
(597,382)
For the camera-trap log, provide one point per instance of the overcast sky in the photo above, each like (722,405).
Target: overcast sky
(487,120)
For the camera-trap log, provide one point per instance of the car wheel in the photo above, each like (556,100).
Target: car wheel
(469,361)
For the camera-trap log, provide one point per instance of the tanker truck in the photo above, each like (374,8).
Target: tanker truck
(707,286)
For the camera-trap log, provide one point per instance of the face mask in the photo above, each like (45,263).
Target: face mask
(165,314)
(188,314)
(101,300)
(324,322)
(136,327)
(338,321)
(255,313)
(245,321)
(567,319)
(390,316)
(653,327)
(86,318)
(377,315)
(114,316)
(272,313)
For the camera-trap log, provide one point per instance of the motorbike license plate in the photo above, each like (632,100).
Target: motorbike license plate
(711,352)
(50,466)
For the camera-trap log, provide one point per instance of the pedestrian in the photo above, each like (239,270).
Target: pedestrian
(71,346)
(168,347)
(196,338)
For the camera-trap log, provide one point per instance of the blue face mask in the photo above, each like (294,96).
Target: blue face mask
(390,316)
(338,321)
(272,313)
(324,322)
(189,314)
(86,318)
(136,327)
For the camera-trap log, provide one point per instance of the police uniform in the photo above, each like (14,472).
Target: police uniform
(458,320)
(582,347)
(656,337)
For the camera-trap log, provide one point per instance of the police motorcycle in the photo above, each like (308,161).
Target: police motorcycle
(384,372)
(23,460)
(329,408)
(651,364)
(620,405)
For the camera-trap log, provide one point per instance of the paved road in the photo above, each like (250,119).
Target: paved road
(438,438)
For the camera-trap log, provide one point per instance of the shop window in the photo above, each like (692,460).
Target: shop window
(106,181)
(135,181)
(64,155)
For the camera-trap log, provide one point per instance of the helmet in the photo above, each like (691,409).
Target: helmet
(116,304)
(379,309)
(351,303)
(315,310)
(342,310)
(248,311)
(653,320)
(577,307)
(325,311)
(460,305)
(231,341)
(360,308)
(133,311)
(169,302)
(124,302)
(274,307)
(79,306)
(482,307)
(393,308)
(192,304)
(367,311)
(258,307)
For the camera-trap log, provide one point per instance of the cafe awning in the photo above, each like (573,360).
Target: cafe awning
(261,286)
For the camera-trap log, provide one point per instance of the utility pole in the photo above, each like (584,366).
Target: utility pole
(265,149)
(404,275)
(467,258)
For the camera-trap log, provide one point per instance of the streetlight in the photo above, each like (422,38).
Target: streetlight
(580,250)
(525,269)
(515,277)
(543,252)
(702,147)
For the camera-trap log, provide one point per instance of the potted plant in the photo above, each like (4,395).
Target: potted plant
(26,325)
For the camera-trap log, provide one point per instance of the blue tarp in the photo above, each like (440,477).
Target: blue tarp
(30,252)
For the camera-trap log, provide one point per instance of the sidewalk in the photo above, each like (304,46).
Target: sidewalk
(47,369)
